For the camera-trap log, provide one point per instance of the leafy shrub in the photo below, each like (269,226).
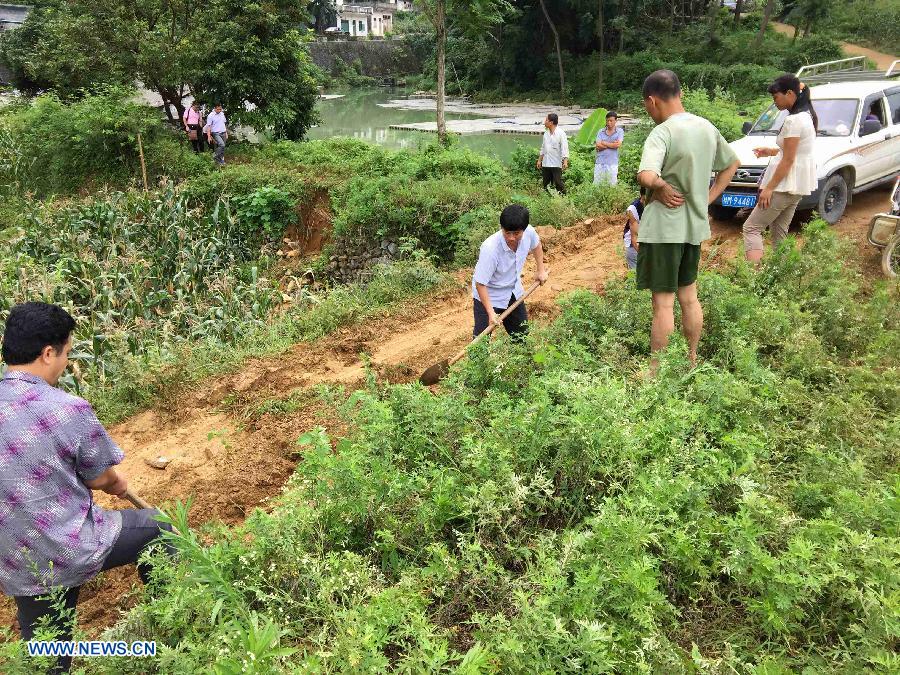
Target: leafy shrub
(721,109)
(374,208)
(50,147)
(474,227)
(240,181)
(551,209)
(875,23)
(593,199)
(812,49)
(267,209)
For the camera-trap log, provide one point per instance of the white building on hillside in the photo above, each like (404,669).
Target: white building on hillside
(362,18)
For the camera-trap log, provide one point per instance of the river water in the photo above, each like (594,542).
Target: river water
(358,115)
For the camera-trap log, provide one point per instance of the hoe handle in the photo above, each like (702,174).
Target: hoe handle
(490,329)
(137,501)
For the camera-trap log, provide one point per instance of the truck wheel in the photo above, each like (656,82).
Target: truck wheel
(723,213)
(833,198)
(890,259)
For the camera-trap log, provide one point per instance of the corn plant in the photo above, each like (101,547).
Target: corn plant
(140,273)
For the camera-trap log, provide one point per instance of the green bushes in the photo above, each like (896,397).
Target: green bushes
(721,109)
(47,147)
(875,23)
(265,211)
(427,210)
(703,58)
(243,180)
(548,511)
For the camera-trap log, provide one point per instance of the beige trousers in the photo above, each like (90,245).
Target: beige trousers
(777,217)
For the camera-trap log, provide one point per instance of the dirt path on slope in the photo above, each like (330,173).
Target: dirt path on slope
(882,60)
(231,449)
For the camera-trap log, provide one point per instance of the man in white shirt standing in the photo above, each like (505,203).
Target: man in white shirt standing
(496,282)
(217,132)
(554,154)
(608,141)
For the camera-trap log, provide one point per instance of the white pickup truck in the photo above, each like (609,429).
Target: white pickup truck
(858,144)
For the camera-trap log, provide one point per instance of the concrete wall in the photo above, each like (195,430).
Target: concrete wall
(379,58)
(11,16)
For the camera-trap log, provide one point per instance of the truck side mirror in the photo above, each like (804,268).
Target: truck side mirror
(746,127)
(870,127)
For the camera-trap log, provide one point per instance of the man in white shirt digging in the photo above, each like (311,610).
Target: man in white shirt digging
(496,282)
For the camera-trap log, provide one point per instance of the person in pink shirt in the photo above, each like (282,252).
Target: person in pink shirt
(193,126)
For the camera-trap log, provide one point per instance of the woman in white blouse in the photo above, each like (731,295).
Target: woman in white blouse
(792,174)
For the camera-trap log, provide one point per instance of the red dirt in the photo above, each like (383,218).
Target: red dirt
(230,459)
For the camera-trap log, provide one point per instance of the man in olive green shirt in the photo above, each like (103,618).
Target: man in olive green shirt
(679,157)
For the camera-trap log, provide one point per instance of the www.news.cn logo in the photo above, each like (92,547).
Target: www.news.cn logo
(92,648)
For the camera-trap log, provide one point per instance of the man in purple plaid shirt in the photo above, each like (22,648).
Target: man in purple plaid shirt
(53,453)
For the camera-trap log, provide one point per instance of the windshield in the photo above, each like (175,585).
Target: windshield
(836,118)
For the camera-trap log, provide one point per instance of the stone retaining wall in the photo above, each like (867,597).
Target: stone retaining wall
(348,267)
(379,58)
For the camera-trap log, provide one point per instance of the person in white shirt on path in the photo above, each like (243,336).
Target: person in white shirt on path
(792,174)
(496,282)
(554,154)
(217,131)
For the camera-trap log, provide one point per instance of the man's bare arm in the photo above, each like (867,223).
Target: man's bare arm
(110,481)
(634,226)
(540,272)
(662,191)
(486,301)
(723,178)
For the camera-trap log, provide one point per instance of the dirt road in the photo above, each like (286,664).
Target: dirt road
(231,448)
(882,61)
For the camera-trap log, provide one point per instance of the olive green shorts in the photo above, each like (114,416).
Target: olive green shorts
(664,268)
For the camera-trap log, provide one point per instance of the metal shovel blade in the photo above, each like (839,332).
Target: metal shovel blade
(435,373)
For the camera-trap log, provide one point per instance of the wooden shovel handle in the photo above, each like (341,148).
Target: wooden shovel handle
(490,329)
(137,501)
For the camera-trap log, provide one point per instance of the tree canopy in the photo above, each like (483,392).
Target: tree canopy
(249,56)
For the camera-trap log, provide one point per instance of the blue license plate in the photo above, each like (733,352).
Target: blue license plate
(738,201)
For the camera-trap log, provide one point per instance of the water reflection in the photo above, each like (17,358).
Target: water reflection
(358,115)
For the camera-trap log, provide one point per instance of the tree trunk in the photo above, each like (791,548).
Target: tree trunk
(175,99)
(441,30)
(502,60)
(562,77)
(767,14)
(737,12)
(167,104)
(796,32)
(602,55)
